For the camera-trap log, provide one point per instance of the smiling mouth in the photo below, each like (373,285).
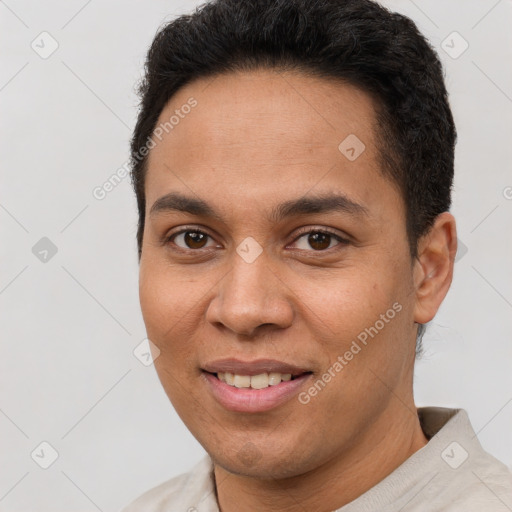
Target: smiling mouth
(260,381)
(254,386)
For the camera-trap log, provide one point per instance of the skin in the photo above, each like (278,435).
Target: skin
(254,140)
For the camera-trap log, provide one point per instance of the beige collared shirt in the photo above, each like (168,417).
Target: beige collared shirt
(451,473)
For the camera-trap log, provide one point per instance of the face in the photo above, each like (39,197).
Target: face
(268,250)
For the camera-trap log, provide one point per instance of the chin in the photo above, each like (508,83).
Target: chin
(265,464)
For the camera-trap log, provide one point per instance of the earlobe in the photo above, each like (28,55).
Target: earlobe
(433,269)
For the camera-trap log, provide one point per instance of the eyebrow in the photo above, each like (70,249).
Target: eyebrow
(326,203)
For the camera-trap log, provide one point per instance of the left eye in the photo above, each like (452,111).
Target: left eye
(318,240)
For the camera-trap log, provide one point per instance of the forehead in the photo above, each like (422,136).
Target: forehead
(260,105)
(267,132)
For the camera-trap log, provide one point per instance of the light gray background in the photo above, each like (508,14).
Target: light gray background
(70,325)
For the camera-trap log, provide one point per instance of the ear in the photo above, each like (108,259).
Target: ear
(433,268)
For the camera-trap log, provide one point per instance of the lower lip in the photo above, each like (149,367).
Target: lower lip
(254,400)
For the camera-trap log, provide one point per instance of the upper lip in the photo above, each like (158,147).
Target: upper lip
(255,367)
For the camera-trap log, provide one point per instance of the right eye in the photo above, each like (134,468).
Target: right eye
(189,239)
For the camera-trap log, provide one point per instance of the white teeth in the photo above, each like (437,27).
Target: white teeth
(260,381)
(274,378)
(242,381)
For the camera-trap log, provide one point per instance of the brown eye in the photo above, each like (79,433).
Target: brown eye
(194,239)
(190,239)
(319,241)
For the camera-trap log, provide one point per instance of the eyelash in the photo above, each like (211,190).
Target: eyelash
(324,231)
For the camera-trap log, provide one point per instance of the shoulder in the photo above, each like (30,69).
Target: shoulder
(465,476)
(451,473)
(482,482)
(183,492)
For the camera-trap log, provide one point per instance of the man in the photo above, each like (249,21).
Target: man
(293,163)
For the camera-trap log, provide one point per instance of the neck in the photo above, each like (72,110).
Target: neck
(392,439)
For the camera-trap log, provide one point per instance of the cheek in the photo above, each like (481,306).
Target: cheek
(164,305)
(164,296)
(164,310)
(351,301)
(364,321)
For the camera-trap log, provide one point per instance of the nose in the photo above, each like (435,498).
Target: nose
(249,297)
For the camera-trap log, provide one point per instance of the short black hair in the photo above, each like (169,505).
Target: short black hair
(357,41)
